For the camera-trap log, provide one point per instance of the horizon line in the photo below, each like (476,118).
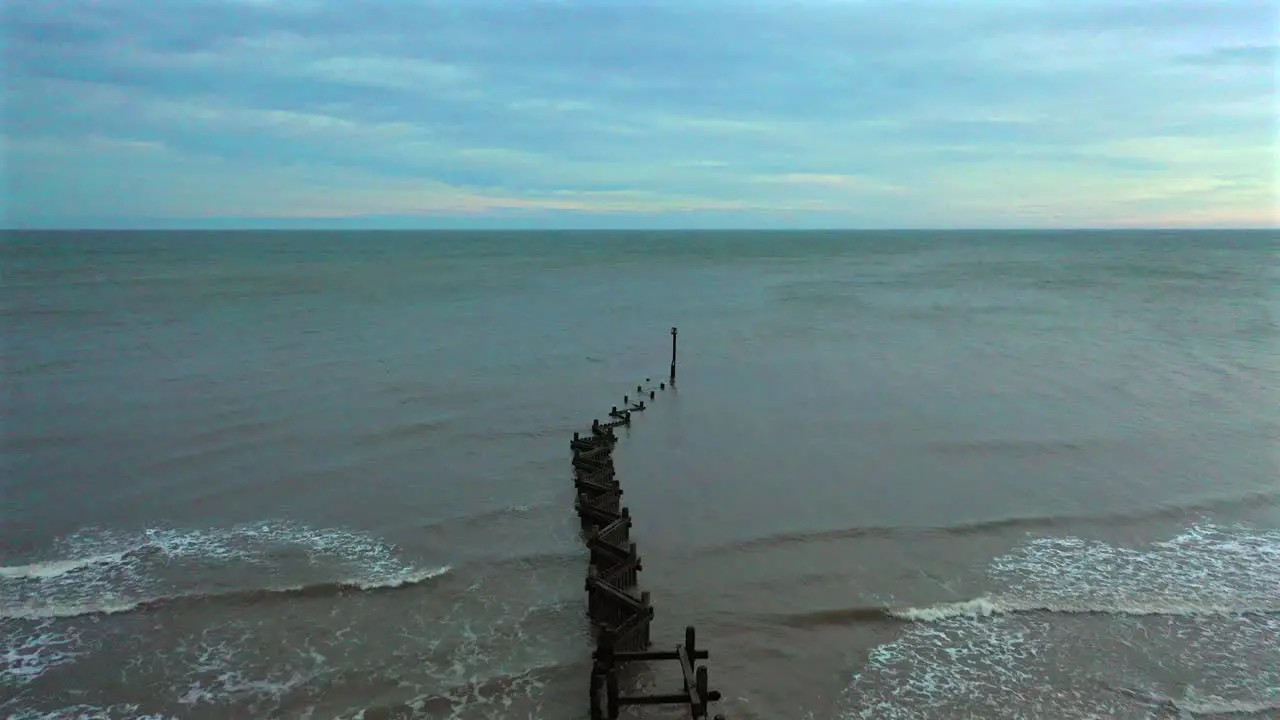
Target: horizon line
(570,229)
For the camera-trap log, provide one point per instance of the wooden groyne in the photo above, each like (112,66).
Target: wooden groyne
(619,612)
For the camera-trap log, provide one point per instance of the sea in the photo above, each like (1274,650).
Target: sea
(909,474)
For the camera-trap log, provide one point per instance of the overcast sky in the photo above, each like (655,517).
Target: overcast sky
(620,113)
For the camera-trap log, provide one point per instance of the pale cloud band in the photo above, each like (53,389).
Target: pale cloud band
(580,113)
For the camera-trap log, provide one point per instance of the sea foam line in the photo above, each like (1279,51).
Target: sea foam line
(1206,705)
(324,589)
(57,568)
(987,606)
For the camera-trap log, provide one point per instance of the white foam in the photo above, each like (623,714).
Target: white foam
(1219,706)
(1205,570)
(105,572)
(978,607)
(988,606)
(1206,603)
(409,577)
(51,569)
(87,712)
(222,665)
(27,653)
(1217,570)
(34,611)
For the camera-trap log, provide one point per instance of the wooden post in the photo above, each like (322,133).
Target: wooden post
(703,695)
(673,356)
(630,580)
(597,684)
(647,609)
(690,647)
(604,649)
(591,595)
(613,692)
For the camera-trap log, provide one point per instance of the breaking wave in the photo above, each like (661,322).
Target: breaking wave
(1204,602)
(251,595)
(986,607)
(102,572)
(57,568)
(997,525)
(1199,706)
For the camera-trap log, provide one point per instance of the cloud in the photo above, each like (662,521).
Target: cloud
(1262,56)
(855,114)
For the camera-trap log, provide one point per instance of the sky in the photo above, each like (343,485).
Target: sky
(640,113)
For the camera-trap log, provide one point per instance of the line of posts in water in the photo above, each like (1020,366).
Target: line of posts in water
(620,615)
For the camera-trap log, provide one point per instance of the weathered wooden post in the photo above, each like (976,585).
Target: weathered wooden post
(673,356)
(593,598)
(700,709)
(597,684)
(602,668)
(690,647)
(612,680)
(646,608)
(634,560)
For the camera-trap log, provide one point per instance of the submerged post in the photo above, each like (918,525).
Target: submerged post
(673,356)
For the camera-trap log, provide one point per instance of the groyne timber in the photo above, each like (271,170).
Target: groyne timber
(619,612)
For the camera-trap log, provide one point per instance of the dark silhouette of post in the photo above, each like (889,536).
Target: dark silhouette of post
(673,356)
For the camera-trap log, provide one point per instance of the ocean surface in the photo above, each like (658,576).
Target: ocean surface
(903,475)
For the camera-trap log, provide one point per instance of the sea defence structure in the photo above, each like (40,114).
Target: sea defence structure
(620,614)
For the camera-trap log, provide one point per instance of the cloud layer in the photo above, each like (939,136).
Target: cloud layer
(850,113)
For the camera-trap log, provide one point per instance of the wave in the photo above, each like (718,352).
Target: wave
(549,559)
(244,596)
(987,606)
(836,617)
(1208,602)
(509,691)
(1200,706)
(57,568)
(487,517)
(416,430)
(996,525)
(115,563)
(87,712)
(884,531)
(1223,707)
(1007,447)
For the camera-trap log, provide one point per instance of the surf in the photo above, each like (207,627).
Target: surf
(36,611)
